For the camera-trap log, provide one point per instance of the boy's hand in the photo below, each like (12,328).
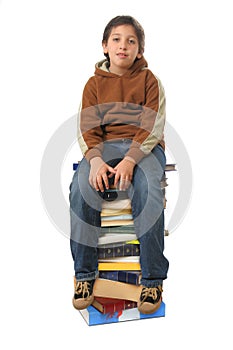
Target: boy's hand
(124,173)
(98,174)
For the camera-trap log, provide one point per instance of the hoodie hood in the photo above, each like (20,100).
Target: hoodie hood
(102,68)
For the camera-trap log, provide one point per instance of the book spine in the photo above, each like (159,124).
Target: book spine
(131,277)
(109,275)
(117,229)
(118,251)
(117,217)
(118,307)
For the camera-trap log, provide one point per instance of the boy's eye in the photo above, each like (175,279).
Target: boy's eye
(116,39)
(131,41)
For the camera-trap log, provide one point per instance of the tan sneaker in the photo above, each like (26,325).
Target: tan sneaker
(83,294)
(150,299)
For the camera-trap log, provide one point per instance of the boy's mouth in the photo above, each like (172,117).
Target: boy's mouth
(122,55)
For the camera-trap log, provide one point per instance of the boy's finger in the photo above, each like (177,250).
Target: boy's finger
(95,185)
(105,179)
(111,170)
(100,183)
(122,184)
(117,178)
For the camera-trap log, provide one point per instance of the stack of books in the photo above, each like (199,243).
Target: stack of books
(118,288)
(116,302)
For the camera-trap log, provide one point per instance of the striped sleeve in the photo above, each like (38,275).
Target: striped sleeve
(151,130)
(90,133)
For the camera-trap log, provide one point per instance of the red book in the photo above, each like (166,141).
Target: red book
(111,305)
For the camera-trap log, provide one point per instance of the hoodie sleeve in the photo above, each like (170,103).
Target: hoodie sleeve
(151,130)
(90,133)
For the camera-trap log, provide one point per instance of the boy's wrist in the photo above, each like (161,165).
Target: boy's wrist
(93,153)
(95,159)
(130,159)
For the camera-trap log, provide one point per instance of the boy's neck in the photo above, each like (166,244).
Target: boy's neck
(117,71)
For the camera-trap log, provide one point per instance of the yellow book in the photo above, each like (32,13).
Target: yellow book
(135,241)
(115,266)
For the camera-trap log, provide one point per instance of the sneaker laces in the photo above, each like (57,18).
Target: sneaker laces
(83,288)
(153,292)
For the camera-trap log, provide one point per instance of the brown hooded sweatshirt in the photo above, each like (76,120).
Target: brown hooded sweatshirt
(115,107)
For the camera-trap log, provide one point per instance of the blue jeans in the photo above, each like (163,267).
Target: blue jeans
(147,210)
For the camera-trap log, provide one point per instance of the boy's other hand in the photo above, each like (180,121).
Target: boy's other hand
(98,177)
(124,173)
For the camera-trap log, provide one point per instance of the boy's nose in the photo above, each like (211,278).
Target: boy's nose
(123,45)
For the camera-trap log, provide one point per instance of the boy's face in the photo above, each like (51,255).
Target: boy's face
(123,48)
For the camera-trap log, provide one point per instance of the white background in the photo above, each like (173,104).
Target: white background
(48,50)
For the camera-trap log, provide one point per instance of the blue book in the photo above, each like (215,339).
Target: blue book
(94,317)
(132,277)
(109,275)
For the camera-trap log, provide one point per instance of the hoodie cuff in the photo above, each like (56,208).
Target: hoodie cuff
(136,154)
(92,153)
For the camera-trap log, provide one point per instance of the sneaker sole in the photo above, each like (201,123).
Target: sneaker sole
(81,304)
(148,308)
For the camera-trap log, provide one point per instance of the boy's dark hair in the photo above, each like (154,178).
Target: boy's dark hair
(122,20)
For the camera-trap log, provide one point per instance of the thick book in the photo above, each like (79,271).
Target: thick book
(111,305)
(117,250)
(118,229)
(115,212)
(94,317)
(170,167)
(132,277)
(118,290)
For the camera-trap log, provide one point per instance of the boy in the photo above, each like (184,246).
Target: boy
(120,133)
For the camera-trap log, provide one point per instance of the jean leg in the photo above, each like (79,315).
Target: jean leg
(85,209)
(148,213)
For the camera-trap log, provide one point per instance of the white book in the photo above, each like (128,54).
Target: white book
(117,204)
(116,237)
(117,217)
(121,259)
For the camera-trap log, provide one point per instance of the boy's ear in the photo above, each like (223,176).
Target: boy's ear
(139,55)
(104,45)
